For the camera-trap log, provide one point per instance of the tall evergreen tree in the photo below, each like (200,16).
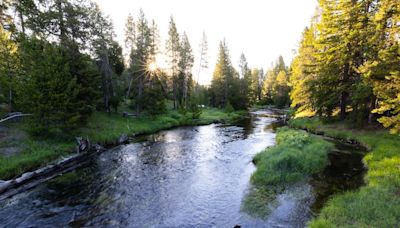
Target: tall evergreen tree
(382,69)
(185,64)
(102,42)
(140,58)
(203,59)
(245,81)
(172,48)
(223,83)
(8,66)
(303,71)
(50,90)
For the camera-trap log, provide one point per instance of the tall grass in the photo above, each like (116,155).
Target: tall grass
(378,203)
(296,155)
(34,155)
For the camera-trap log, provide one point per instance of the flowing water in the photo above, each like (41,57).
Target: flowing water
(184,177)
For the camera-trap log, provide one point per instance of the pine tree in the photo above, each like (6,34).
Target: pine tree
(203,60)
(8,66)
(50,91)
(222,85)
(253,86)
(245,82)
(102,42)
(303,71)
(154,34)
(270,85)
(185,64)
(130,37)
(382,69)
(281,90)
(139,59)
(172,47)
(261,77)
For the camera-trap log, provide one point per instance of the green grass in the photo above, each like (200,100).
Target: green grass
(101,128)
(296,155)
(105,128)
(34,155)
(378,203)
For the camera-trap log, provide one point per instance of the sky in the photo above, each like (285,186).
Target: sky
(261,29)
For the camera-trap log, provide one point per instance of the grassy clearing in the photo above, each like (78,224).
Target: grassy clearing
(378,203)
(102,128)
(296,155)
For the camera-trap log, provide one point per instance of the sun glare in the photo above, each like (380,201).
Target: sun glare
(152,66)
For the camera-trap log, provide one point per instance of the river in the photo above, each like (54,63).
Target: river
(184,177)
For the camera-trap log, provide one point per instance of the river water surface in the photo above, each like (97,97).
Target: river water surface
(184,177)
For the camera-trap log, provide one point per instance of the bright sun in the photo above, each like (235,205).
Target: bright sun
(152,66)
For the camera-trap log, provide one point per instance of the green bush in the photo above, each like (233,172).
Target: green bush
(229,108)
(195,110)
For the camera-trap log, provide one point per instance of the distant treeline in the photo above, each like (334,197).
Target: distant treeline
(59,61)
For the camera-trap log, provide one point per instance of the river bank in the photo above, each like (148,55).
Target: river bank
(182,177)
(377,204)
(102,128)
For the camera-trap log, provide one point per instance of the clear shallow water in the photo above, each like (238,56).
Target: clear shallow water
(185,177)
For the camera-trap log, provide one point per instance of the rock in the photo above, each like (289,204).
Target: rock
(4,185)
(24,177)
(83,144)
(123,139)
(42,170)
(98,148)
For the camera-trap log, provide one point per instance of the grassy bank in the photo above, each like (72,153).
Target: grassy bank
(378,203)
(101,128)
(295,156)
(34,154)
(104,128)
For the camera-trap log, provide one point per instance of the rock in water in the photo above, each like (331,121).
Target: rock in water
(123,139)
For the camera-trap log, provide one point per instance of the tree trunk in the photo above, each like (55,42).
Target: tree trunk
(61,18)
(21,18)
(343,104)
(128,93)
(174,94)
(140,94)
(371,107)
(225,102)
(344,93)
(185,90)
(107,81)
(10,96)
